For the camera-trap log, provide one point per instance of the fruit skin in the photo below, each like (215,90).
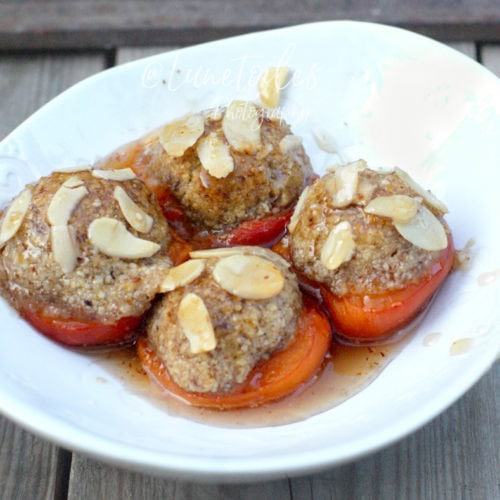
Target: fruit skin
(282,374)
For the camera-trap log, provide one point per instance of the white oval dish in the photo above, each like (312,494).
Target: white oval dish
(383,94)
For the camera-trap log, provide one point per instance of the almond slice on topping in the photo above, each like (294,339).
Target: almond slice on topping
(14,216)
(178,136)
(398,207)
(290,143)
(73,182)
(343,190)
(132,212)
(338,247)
(241,126)
(271,84)
(64,247)
(249,277)
(214,156)
(120,174)
(298,208)
(424,230)
(70,170)
(182,275)
(196,324)
(239,250)
(110,236)
(64,202)
(428,197)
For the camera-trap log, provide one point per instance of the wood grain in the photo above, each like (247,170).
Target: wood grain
(490,55)
(27,82)
(28,465)
(31,468)
(113,23)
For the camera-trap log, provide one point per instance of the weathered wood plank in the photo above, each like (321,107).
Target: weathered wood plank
(455,456)
(27,82)
(30,467)
(490,56)
(92,479)
(87,23)
(127,54)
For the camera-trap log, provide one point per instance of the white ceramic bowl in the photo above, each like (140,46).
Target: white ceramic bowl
(385,95)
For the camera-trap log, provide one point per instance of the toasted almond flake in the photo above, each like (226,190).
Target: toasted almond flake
(64,202)
(365,189)
(14,216)
(298,208)
(424,230)
(290,143)
(249,277)
(338,247)
(214,253)
(132,212)
(73,182)
(178,136)
(271,84)
(214,156)
(120,174)
(64,247)
(428,197)
(241,126)
(194,319)
(324,140)
(343,190)
(70,170)
(398,207)
(182,275)
(111,237)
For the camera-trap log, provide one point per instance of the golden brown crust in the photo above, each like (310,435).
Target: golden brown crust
(247,331)
(100,288)
(261,184)
(382,260)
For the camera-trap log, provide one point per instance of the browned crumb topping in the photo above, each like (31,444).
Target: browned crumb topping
(100,287)
(382,258)
(246,331)
(262,183)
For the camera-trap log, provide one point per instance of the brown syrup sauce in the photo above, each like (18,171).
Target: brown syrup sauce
(347,371)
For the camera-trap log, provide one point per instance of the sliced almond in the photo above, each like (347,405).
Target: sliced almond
(339,246)
(64,247)
(249,276)
(239,250)
(73,182)
(111,237)
(178,136)
(133,213)
(290,143)
(398,207)
(120,174)
(214,156)
(182,275)
(343,190)
(241,126)
(429,198)
(298,208)
(14,216)
(77,168)
(271,84)
(194,319)
(424,230)
(64,202)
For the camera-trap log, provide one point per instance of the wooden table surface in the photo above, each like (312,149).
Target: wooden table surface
(47,46)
